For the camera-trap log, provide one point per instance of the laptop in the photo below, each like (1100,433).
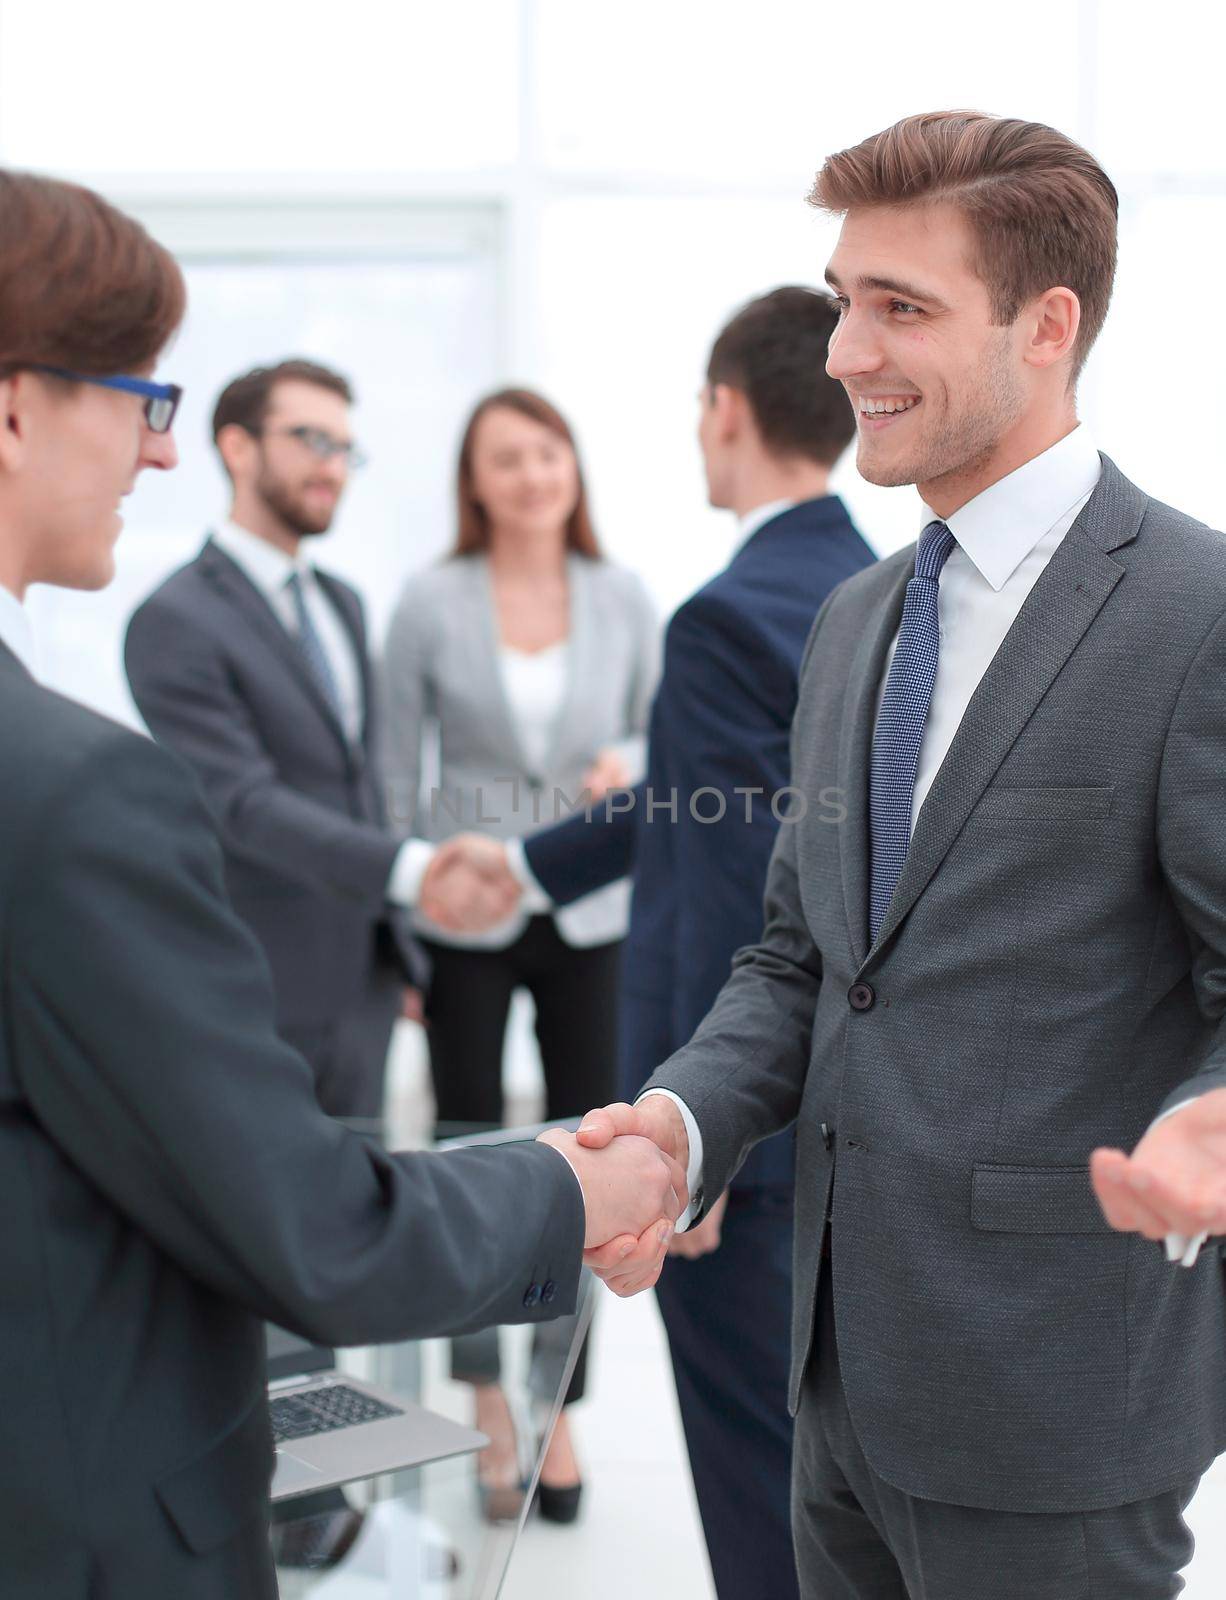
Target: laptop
(330,1429)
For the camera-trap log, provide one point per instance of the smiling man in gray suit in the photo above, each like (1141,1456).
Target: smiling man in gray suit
(1011,950)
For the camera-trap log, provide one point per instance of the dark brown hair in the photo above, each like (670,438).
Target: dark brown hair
(474,526)
(81,285)
(245,400)
(774,352)
(1042,212)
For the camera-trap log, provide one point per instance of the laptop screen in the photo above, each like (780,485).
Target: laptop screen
(289,1355)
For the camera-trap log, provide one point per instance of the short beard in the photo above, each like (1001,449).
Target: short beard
(300,522)
(962,445)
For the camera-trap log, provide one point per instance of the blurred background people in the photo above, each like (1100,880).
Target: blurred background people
(167,1178)
(251,662)
(533,660)
(771,426)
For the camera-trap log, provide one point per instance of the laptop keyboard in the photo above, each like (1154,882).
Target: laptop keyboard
(298,1416)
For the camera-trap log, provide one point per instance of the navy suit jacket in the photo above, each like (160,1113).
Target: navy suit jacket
(721,722)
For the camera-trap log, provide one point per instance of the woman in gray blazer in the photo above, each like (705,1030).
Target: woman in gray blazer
(526,662)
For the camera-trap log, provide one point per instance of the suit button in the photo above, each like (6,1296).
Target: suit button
(862,996)
(549,1293)
(532,1296)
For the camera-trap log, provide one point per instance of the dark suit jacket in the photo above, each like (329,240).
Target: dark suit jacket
(720,722)
(301,810)
(167,1181)
(1051,969)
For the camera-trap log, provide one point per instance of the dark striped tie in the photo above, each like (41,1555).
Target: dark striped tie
(311,645)
(900,722)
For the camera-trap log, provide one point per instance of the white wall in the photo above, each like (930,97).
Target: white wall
(646,165)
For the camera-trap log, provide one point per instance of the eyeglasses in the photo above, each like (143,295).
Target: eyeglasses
(161,399)
(322,445)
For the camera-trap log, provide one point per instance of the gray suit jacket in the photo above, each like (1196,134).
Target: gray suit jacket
(1052,970)
(442,674)
(301,809)
(167,1182)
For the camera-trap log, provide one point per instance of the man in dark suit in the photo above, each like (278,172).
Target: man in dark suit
(167,1180)
(697,836)
(252,664)
(1012,950)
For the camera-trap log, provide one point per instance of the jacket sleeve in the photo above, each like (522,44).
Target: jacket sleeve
(742,1074)
(584,853)
(190,704)
(141,1027)
(727,717)
(1191,834)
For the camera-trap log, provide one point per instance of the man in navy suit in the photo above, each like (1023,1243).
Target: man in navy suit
(697,836)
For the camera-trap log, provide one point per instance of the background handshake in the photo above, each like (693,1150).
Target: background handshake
(469,886)
(631,1162)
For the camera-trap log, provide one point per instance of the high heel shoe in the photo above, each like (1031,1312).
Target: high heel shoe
(559,1504)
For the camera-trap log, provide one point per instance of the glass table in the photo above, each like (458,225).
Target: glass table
(422,1534)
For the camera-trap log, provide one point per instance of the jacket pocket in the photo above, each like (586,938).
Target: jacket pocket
(1047,805)
(209,1499)
(1011,1199)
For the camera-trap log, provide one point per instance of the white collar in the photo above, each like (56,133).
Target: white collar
(761,515)
(999,528)
(15,629)
(268,568)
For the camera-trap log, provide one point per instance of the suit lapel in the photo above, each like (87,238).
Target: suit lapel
(241,593)
(1070,592)
(859,715)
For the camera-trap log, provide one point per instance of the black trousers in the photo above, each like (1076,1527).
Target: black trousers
(859,1536)
(575,995)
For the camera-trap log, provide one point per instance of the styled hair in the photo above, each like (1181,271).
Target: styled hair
(774,351)
(82,285)
(245,400)
(1042,212)
(473,523)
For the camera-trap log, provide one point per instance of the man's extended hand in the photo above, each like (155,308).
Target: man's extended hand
(468,886)
(1175,1180)
(628,1266)
(632,1194)
(705,1237)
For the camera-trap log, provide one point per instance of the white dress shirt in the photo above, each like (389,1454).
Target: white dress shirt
(535,682)
(1005,537)
(15,630)
(270,570)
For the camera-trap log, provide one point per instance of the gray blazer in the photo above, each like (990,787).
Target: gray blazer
(1051,972)
(443,683)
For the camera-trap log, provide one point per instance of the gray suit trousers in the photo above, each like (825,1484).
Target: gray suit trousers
(859,1538)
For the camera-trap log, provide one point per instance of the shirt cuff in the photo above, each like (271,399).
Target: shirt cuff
(1179,1248)
(575,1174)
(533,898)
(408,869)
(693,1172)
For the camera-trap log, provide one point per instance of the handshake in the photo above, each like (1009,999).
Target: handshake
(469,886)
(631,1163)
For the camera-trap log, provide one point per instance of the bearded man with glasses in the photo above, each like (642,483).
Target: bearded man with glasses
(251,662)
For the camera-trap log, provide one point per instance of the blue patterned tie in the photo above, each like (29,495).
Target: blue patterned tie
(900,722)
(311,645)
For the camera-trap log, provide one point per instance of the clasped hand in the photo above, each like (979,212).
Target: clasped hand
(623,1155)
(468,886)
